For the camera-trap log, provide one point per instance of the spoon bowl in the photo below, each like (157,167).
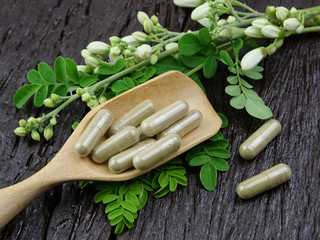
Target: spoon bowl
(69,166)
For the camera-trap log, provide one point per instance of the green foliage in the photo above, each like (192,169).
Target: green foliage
(210,156)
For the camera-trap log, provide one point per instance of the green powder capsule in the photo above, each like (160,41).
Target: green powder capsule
(122,140)
(164,118)
(184,125)
(260,139)
(123,161)
(264,181)
(97,127)
(134,117)
(158,151)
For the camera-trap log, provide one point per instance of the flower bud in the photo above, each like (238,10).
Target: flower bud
(154,19)
(39,120)
(84,68)
(40,129)
(260,23)
(271,50)
(35,135)
(293,10)
(252,58)
(113,59)
(281,13)
(86,97)
(144,51)
(115,51)
(153,59)
(271,31)
(85,53)
(253,32)
(48,133)
(222,22)
(171,46)
(53,121)
(142,16)
(127,53)
(98,47)
(140,36)
(32,121)
(271,11)
(187,3)
(102,99)
(20,131)
(92,103)
(206,22)
(231,19)
(55,97)
(22,123)
(201,11)
(300,29)
(80,91)
(130,40)
(148,26)
(114,40)
(278,42)
(91,61)
(130,63)
(291,24)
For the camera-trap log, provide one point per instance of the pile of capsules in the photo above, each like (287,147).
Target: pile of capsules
(273,176)
(130,143)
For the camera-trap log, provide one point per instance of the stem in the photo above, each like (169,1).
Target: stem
(232,11)
(223,45)
(196,69)
(240,4)
(311,29)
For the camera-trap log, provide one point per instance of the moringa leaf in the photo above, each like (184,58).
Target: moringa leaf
(23,94)
(208,176)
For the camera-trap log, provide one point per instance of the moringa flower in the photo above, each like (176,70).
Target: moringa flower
(206,22)
(201,11)
(144,51)
(291,24)
(271,31)
(98,47)
(252,58)
(260,23)
(130,40)
(188,3)
(253,32)
(281,13)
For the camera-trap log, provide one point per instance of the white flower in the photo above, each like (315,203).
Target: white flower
(206,22)
(222,22)
(84,68)
(148,26)
(91,61)
(142,16)
(144,51)
(231,19)
(85,53)
(293,10)
(130,40)
(253,32)
(98,47)
(291,24)
(271,31)
(171,46)
(140,36)
(252,58)
(281,13)
(201,11)
(115,51)
(260,23)
(187,3)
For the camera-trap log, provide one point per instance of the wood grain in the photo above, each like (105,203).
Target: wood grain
(34,31)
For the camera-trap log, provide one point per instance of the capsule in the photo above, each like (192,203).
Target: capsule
(134,117)
(260,139)
(158,151)
(164,118)
(184,125)
(123,160)
(264,181)
(120,141)
(97,127)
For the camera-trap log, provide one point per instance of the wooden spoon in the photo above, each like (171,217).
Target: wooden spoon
(68,166)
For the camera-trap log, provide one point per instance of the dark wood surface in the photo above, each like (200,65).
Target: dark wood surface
(34,31)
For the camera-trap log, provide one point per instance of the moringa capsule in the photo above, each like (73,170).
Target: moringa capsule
(158,151)
(264,181)
(123,160)
(97,127)
(134,117)
(164,118)
(116,143)
(260,139)
(184,125)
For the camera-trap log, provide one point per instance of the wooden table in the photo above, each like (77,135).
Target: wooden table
(35,31)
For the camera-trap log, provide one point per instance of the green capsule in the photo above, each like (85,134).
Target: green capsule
(264,181)
(158,151)
(164,118)
(260,139)
(184,125)
(123,160)
(116,143)
(134,117)
(93,132)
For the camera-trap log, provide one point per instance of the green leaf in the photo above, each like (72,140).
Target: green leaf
(165,181)
(41,94)
(60,69)
(232,79)
(189,45)
(252,95)
(116,220)
(119,65)
(143,198)
(115,213)
(112,206)
(149,72)
(110,95)
(216,137)
(137,75)
(132,198)
(119,228)
(233,90)
(129,206)
(128,216)
(208,176)
(204,37)
(60,90)
(258,109)
(72,71)
(245,83)
(218,152)
(127,223)
(173,184)
(110,198)
(225,58)
(106,70)
(87,81)
(193,61)
(161,176)
(199,160)
(252,74)
(74,125)
(46,73)
(210,67)
(219,163)
(167,64)
(161,192)
(119,85)
(35,78)
(224,120)
(238,102)
(100,195)
(182,180)
(222,143)
(257,69)
(237,45)
(23,94)
(129,82)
